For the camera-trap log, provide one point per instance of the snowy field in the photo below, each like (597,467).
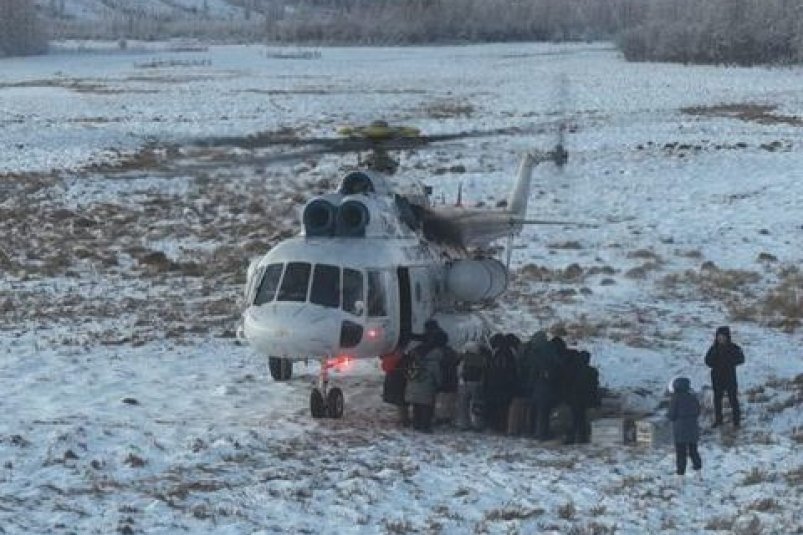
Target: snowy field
(128,406)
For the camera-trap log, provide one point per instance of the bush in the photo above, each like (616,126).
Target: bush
(21,33)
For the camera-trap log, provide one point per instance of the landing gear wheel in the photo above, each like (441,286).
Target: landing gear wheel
(317,405)
(280,369)
(334,403)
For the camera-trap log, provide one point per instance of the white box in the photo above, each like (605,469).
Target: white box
(612,431)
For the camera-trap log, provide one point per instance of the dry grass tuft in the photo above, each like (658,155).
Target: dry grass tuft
(644,254)
(756,476)
(571,244)
(512,512)
(794,477)
(719,523)
(764,505)
(567,511)
(641,272)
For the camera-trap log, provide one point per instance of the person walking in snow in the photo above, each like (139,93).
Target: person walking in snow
(684,411)
(723,357)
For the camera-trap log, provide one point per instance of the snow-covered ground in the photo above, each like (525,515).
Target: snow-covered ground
(128,406)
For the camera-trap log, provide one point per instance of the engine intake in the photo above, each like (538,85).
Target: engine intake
(352,219)
(319,218)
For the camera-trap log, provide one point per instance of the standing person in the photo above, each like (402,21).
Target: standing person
(583,393)
(499,382)
(543,361)
(474,362)
(446,402)
(424,378)
(723,357)
(395,367)
(684,410)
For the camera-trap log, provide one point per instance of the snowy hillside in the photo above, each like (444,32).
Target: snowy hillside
(127,405)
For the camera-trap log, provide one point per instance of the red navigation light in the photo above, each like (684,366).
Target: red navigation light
(373,333)
(341,361)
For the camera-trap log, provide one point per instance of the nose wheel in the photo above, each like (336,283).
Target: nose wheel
(325,402)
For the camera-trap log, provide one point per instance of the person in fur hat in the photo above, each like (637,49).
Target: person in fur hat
(684,410)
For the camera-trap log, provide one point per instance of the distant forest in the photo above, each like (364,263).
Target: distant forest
(732,32)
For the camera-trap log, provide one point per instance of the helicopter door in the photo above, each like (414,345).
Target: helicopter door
(405,306)
(421,300)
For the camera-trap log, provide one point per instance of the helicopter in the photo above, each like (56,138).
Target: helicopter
(374,260)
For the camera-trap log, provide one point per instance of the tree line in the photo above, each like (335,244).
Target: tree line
(740,32)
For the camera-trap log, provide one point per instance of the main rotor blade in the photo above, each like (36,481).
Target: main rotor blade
(517,221)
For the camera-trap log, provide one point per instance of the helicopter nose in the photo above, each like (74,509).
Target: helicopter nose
(292,330)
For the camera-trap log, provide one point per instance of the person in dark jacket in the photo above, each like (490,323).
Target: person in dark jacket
(499,382)
(541,359)
(424,378)
(723,357)
(582,394)
(395,367)
(684,410)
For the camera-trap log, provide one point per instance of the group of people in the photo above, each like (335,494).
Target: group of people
(512,387)
(506,385)
(684,408)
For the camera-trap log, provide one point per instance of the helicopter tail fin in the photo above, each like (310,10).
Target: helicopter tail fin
(517,203)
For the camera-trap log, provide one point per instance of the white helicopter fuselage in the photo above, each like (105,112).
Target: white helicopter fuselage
(356,298)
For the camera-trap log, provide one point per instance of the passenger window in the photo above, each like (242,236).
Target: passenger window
(376,295)
(326,286)
(295,282)
(353,299)
(270,281)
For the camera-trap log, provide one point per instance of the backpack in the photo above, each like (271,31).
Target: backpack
(414,368)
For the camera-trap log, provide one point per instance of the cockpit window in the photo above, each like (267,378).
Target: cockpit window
(295,282)
(326,286)
(270,281)
(353,291)
(376,295)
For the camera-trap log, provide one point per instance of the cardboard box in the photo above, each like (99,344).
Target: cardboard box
(653,432)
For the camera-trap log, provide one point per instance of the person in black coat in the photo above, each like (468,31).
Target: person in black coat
(684,410)
(582,394)
(723,357)
(499,382)
(395,367)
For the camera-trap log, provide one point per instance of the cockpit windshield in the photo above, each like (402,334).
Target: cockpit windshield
(295,282)
(269,284)
(329,286)
(353,299)
(326,286)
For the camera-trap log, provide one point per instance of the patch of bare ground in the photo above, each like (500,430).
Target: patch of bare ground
(79,85)
(746,111)
(74,264)
(573,273)
(448,108)
(746,299)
